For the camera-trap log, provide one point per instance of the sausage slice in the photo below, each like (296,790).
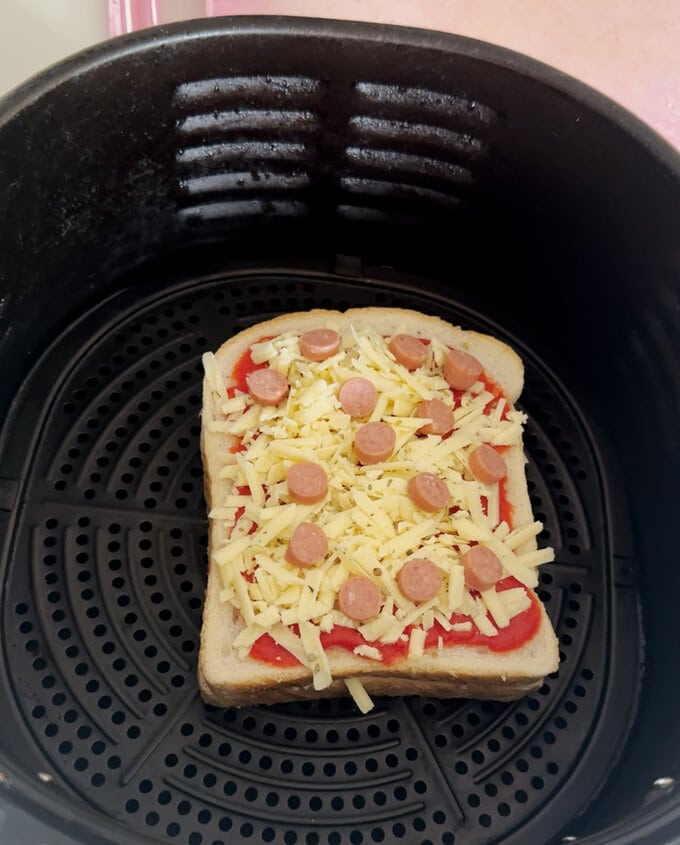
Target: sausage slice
(267,386)
(307,483)
(359,598)
(482,568)
(319,344)
(308,545)
(374,442)
(408,350)
(440,414)
(419,580)
(428,492)
(487,465)
(461,370)
(357,396)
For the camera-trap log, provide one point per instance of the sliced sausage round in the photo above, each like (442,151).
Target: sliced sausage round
(374,442)
(357,396)
(408,350)
(307,483)
(267,386)
(428,492)
(487,465)
(419,579)
(308,545)
(440,414)
(482,568)
(319,344)
(360,598)
(461,370)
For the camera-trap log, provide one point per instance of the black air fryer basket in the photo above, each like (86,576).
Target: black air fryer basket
(163,191)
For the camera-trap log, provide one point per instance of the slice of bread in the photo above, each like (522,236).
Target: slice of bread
(230,678)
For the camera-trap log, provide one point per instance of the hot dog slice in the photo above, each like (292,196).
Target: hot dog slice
(308,545)
(319,344)
(482,568)
(419,580)
(428,492)
(374,442)
(267,386)
(440,414)
(408,350)
(359,598)
(461,370)
(487,465)
(307,483)
(357,397)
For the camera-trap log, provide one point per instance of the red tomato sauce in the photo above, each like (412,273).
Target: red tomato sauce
(491,386)
(505,508)
(521,629)
(243,367)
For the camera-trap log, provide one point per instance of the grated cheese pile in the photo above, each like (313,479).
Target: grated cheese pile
(371,524)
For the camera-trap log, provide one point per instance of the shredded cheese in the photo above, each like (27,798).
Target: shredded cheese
(369,651)
(358,692)
(371,523)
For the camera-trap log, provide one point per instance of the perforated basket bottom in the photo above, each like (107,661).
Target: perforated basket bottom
(102,605)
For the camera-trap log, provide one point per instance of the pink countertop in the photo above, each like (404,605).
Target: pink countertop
(627,49)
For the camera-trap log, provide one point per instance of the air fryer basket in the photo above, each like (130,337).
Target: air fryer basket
(165,190)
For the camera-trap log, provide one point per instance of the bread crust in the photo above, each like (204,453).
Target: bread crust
(460,671)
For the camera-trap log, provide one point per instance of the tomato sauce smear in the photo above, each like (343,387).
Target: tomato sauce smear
(242,368)
(522,628)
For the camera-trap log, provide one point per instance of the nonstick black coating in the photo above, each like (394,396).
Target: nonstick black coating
(267,166)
